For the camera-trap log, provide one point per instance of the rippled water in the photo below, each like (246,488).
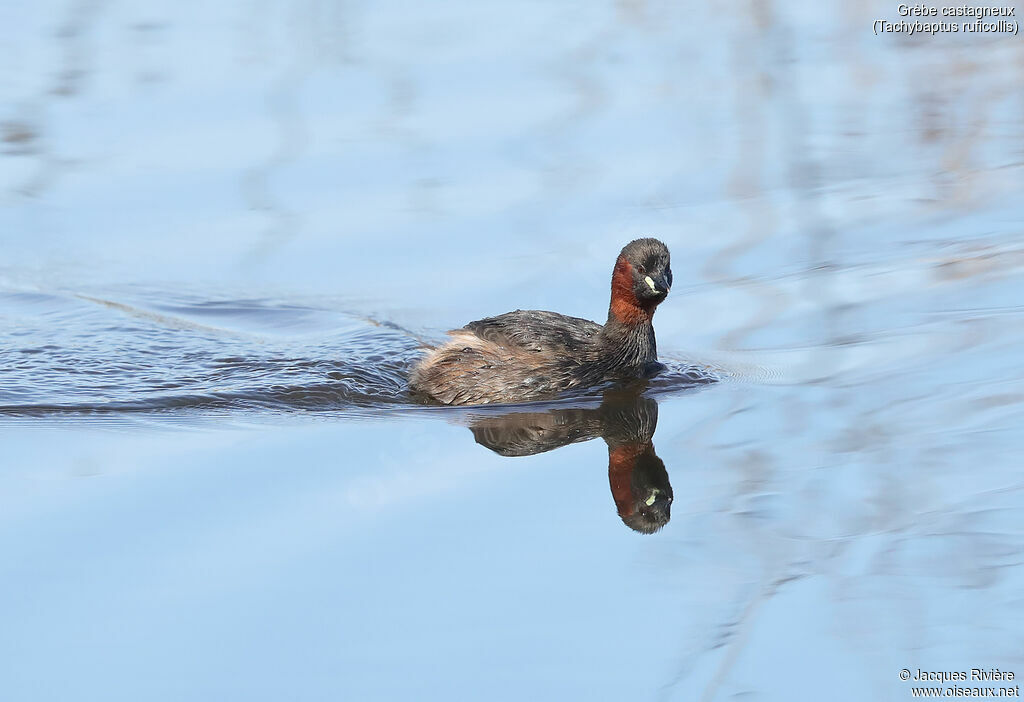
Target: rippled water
(79,354)
(225,236)
(182,358)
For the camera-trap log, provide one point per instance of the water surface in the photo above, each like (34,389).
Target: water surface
(226,234)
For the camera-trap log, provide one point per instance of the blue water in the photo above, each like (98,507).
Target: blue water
(227,231)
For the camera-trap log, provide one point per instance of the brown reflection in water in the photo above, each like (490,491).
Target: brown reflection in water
(626,420)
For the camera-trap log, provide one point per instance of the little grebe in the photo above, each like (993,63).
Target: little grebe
(531,355)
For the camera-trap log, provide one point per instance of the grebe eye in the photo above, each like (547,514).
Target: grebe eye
(642,270)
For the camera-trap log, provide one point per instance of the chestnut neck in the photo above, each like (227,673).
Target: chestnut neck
(629,329)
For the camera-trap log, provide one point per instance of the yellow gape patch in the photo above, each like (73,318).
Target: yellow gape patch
(650,282)
(654,495)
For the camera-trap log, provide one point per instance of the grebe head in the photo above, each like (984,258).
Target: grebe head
(648,262)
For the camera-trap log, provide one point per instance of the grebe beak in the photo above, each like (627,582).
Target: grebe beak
(654,286)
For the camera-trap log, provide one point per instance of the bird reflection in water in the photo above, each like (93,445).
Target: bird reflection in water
(625,419)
